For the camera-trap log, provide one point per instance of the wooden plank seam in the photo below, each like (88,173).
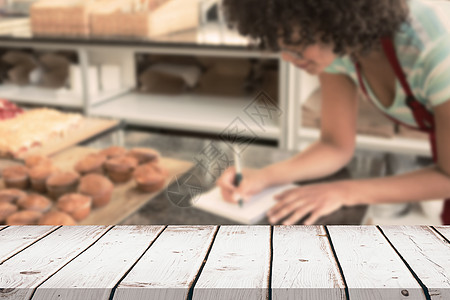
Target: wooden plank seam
(424,288)
(73,259)
(113,291)
(269,286)
(440,234)
(191,288)
(347,296)
(39,239)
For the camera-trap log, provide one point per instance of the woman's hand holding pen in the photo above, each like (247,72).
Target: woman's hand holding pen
(253,182)
(317,200)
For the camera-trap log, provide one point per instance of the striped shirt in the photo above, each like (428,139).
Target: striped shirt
(423,49)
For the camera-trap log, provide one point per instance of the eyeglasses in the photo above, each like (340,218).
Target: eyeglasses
(294,54)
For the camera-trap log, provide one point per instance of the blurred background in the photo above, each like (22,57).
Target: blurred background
(173,68)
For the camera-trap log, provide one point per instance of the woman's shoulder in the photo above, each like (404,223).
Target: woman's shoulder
(429,20)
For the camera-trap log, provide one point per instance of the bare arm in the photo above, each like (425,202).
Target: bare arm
(337,141)
(425,184)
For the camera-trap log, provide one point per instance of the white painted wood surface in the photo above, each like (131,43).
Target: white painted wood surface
(112,256)
(428,255)
(169,267)
(230,262)
(21,274)
(444,230)
(370,266)
(304,266)
(238,265)
(16,238)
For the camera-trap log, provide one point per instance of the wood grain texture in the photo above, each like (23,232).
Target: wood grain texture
(370,265)
(303,265)
(126,199)
(427,253)
(89,127)
(112,256)
(174,260)
(16,238)
(21,274)
(444,230)
(238,265)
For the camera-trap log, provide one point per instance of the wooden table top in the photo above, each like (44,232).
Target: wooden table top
(224,262)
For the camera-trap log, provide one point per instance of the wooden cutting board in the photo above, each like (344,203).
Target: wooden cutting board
(126,199)
(89,127)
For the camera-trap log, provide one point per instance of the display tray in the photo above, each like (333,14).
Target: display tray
(126,199)
(88,128)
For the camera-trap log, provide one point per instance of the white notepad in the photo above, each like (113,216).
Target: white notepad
(250,213)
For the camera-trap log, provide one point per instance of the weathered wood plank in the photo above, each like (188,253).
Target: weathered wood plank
(98,269)
(21,274)
(238,265)
(174,260)
(304,266)
(16,238)
(427,253)
(370,265)
(444,230)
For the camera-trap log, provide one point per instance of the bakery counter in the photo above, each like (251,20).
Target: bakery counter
(173,206)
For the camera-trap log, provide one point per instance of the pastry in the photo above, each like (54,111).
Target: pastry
(39,175)
(98,187)
(56,218)
(62,183)
(24,217)
(11,195)
(77,206)
(92,163)
(35,202)
(32,161)
(150,177)
(33,128)
(120,169)
(7,209)
(113,151)
(16,177)
(144,155)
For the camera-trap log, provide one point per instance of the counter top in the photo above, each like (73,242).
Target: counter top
(164,210)
(224,262)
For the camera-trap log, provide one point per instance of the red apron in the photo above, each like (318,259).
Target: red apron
(423,117)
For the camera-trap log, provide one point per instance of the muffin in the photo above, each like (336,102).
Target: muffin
(39,175)
(113,151)
(150,177)
(24,217)
(144,155)
(32,161)
(16,177)
(120,169)
(56,218)
(93,163)
(35,202)
(11,195)
(62,183)
(98,187)
(77,206)
(7,209)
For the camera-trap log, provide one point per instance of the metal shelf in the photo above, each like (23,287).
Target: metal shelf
(207,114)
(52,97)
(394,145)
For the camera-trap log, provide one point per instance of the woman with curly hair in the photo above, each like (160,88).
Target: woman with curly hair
(395,51)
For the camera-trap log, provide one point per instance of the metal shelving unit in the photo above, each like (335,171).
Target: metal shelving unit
(189,112)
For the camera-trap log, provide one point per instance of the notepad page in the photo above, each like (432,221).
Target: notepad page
(250,213)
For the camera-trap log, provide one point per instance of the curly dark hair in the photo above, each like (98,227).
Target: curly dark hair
(352,26)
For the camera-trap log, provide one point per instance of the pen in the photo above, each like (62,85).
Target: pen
(238,176)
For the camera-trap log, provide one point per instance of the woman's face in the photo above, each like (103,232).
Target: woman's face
(313,58)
